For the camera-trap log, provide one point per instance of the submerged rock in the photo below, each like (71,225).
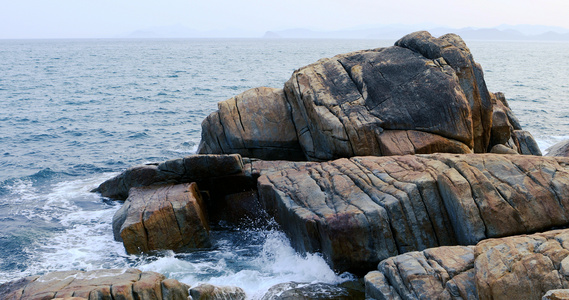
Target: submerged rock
(423,95)
(213,292)
(127,284)
(362,210)
(517,267)
(165,217)
(314,291)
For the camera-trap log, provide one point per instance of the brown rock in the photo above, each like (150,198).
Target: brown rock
(127,284)
(362,210)
(517,267)
(255,123)
(167,217)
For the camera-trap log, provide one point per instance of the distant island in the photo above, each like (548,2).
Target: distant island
(502,32)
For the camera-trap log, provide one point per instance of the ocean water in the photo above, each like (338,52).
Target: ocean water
(74,113)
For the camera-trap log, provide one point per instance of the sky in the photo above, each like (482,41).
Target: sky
(112,18)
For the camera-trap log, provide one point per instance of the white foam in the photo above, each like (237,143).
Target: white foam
(276,262)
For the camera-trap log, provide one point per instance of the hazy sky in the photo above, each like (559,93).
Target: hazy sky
(104,18)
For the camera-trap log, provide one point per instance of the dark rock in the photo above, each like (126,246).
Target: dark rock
(526,142)
(193,168)
(309,291)
(423,95)
(166,217)
(362,210)
(127,284)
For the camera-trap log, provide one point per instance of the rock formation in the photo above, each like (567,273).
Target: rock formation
(517,267)
(361,210)
(423,95)
(166,217)
(337,177)
(130,284)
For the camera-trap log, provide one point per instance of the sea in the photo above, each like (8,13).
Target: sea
(74,113)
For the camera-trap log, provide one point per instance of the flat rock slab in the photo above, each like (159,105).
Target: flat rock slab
(163,217)
(188,169)
(129,284)
(517,267)
(362,210)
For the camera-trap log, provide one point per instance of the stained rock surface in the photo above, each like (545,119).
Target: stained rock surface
(422,95)
(164,217)
(130,284)
(362,210)
(517,267)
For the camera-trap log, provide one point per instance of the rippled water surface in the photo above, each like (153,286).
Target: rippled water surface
(75,112)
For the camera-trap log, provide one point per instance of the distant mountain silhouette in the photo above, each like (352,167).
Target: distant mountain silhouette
(502,32)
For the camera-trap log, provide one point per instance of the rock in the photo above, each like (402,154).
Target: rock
(516,267)
(311,291)
(559,149)
(127,284)
(556,295)
(255,123)
(212,292)
(502,149)
(359,211)
(437,273)
(162,217)
(527,143)
(193,168)
(423,95)
(343,106)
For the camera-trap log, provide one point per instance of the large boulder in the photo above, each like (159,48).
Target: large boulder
(423,95)
(130,284)
(255,123)
(517,267)
(163,217)
(362,210)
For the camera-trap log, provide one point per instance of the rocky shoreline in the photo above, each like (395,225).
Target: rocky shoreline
(396,164)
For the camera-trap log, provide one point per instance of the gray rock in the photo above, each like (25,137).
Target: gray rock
(559,149)
(213,292)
